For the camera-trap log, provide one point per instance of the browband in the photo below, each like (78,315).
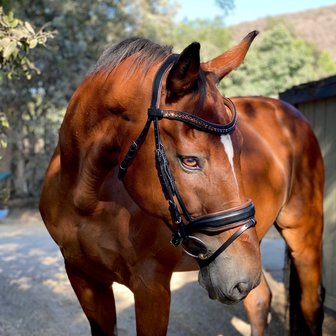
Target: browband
(195,121)
(155,113)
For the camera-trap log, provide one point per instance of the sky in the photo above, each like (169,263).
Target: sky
(246,10)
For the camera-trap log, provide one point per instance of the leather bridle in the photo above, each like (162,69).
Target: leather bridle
(242,217)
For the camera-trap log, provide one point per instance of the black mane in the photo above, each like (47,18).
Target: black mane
(149,53)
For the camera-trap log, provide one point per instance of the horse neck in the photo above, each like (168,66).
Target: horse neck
(87,143)
(93,135)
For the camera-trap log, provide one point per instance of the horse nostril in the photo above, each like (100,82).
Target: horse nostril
(240,290)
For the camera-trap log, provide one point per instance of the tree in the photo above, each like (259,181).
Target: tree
(225,5)
(83,29)
(212,35)
(16,40)
(276,62)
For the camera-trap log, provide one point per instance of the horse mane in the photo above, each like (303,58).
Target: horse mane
(148,53)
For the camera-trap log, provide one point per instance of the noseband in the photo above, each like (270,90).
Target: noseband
(242,217)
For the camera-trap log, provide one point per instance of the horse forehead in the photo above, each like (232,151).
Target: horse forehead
(217,146)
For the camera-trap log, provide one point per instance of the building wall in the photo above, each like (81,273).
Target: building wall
(317,101)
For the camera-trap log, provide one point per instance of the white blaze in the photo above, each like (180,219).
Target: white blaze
(227,143)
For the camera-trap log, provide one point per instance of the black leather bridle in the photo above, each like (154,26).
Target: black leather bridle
(242,217)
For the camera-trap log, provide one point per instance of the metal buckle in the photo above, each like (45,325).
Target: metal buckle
(195,247)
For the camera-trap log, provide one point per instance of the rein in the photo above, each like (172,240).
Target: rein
(242,217)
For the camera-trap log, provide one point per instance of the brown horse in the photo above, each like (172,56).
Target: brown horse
(149,147)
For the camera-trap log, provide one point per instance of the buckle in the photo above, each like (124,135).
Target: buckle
(176,239)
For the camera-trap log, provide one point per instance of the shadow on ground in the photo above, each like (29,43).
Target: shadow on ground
(36,298)
(193,313)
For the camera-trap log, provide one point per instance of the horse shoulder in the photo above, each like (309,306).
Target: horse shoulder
(54,203)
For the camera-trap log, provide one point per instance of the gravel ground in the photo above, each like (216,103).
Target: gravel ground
(36,298)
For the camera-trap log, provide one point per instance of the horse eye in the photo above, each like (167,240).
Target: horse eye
(190,162)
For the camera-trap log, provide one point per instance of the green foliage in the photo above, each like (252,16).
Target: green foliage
(16,39)
(326,63)
(212,35)
(4,126)
(83,29)
(277,61)
(150,18)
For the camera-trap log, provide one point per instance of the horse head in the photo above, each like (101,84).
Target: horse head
(187,152)
(207,168)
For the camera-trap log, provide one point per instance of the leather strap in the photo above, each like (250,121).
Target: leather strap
(156,90)
(154,102)
(133,150)
(213,256)
(224,218)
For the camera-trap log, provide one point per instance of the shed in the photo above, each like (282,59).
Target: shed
(317,101)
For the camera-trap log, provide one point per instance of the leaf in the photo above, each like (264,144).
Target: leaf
(3,120)
(32,43)
(14,23)
(4,42)
(29,27)
(20,33)
(3,143)
(9,49)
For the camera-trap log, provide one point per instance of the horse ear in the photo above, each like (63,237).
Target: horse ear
(185,70)
(231,59)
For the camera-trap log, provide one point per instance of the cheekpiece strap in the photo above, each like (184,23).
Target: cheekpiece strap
(151,116)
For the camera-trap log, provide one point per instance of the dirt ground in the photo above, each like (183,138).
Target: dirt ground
(36,298)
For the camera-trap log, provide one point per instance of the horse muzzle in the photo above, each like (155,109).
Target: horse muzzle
(230,291)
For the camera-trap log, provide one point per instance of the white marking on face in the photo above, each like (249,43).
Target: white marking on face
(227,143)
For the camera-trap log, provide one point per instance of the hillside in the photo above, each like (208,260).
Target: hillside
(317,26)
